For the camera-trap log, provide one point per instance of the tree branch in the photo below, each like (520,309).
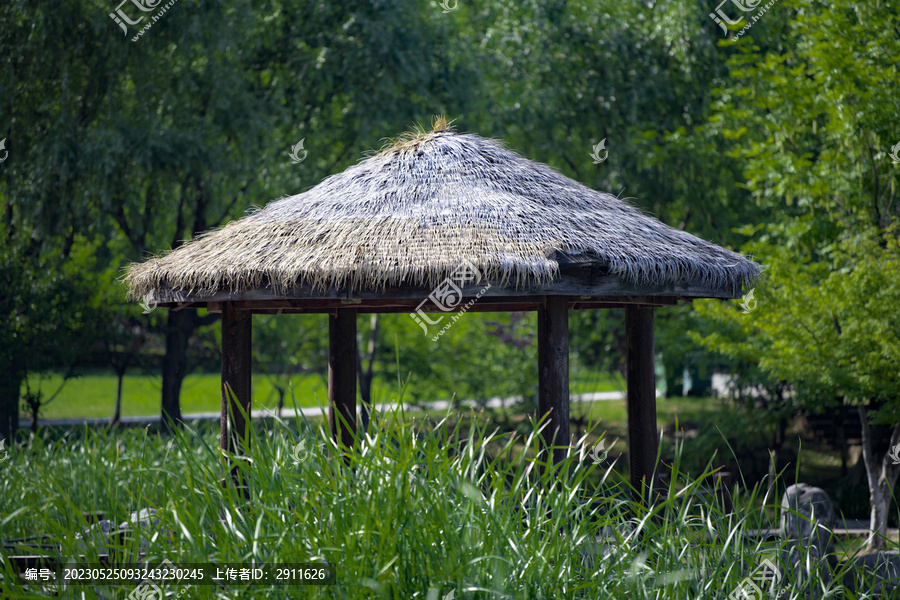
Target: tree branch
(179,220)
(69,373)
(572,165)
(231,204)
(123,222)
(891,470)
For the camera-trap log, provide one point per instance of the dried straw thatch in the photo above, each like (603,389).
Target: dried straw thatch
(414,212)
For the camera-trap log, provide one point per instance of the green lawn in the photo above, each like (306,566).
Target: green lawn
(94,395)
(667,410)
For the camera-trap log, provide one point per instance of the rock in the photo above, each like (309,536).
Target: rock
(807,519)
(877,573)
(146,525)
(812,527)
(97,535)
(141,518)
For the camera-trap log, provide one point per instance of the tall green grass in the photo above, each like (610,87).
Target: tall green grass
(420,508)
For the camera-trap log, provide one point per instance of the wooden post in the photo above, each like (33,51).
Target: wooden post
(342,359)
(236,337)
(641,382)
(553,372)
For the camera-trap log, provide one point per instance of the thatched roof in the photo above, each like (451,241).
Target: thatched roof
(411,214)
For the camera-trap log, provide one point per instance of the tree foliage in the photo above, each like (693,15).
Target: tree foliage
(812,124)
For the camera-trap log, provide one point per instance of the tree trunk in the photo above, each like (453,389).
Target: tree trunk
(10,385)
(881,482)
(120,375)
(365,395)
(880,499)
(845,449)
(777,443)
(281,392)
(34,405)
(179,327)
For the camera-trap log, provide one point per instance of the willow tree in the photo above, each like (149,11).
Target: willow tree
(151,142)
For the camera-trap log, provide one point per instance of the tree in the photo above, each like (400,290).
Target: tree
(155,141)
(566,75)
(122,344)
(832,332)
(47,303)
(810,123)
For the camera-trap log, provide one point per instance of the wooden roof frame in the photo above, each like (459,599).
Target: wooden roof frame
(585,288)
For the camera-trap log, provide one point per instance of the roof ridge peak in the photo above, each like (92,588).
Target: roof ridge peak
(411,139)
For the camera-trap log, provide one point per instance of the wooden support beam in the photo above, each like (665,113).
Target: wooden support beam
(237,332)
(342,358)
(578,282)
(641,382)
(553,372)
(495,303)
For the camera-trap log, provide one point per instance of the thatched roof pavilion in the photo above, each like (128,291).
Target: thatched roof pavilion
(452,212)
